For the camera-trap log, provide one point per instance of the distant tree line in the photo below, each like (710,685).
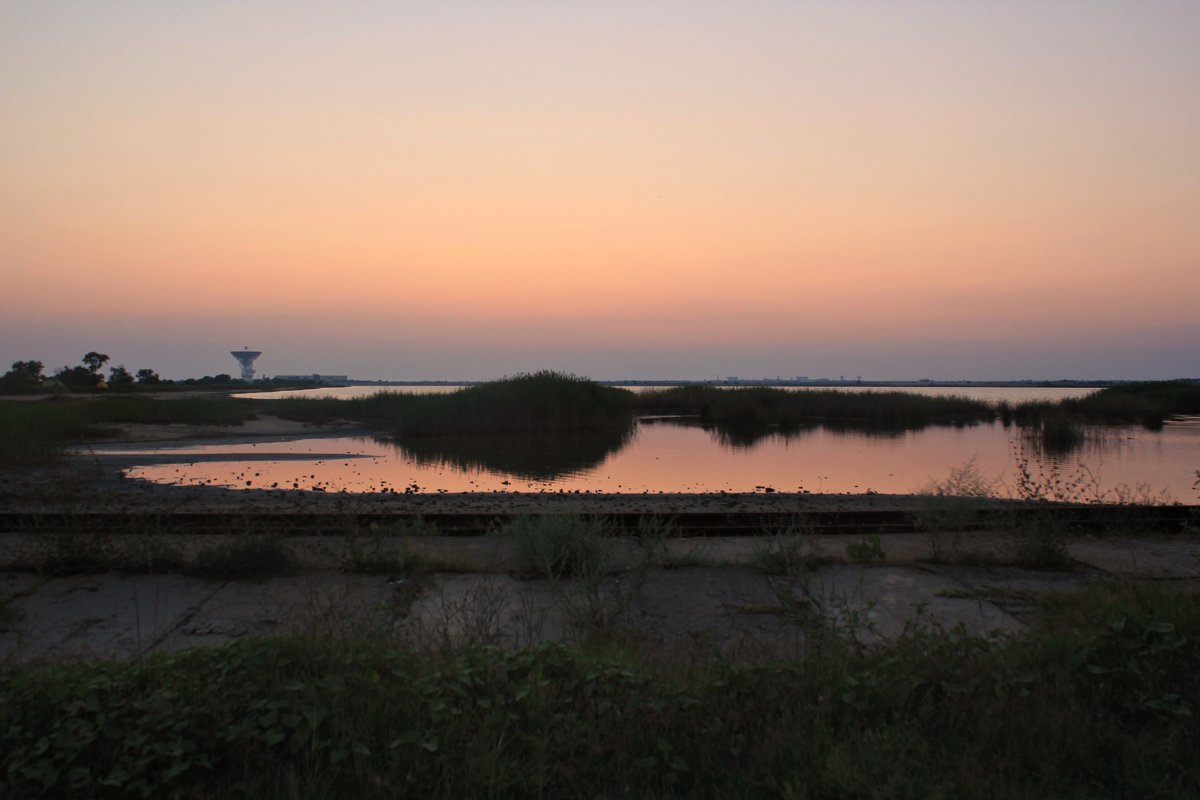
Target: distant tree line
(29,376)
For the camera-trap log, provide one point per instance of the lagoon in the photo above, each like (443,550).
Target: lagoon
(679,455)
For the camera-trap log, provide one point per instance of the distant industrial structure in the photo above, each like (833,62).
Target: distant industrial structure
(246,358)
(330,380)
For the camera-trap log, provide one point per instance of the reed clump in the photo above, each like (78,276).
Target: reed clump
(1056,431)
(243,556)
(1148,404)
(206,410)
(765,406)
(37,431)
(541,401)
(381,407)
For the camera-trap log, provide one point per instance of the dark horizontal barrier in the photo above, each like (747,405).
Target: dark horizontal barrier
(1082,519)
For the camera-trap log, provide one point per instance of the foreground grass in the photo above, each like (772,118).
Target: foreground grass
(1099,701)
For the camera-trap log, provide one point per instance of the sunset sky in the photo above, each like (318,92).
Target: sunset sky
(619,189)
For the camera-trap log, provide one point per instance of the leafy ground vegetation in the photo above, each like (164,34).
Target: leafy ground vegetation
(1099,699)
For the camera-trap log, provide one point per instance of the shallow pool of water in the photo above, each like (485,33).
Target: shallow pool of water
(674,456)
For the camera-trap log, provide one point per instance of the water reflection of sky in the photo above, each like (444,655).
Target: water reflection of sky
(986,394)
(674,458)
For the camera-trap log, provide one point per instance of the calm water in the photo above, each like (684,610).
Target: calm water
(988,394)
(667,456)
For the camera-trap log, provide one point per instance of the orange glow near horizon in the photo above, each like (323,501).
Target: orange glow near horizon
(688,174)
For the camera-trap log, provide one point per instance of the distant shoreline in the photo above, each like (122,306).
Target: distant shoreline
(1015,384)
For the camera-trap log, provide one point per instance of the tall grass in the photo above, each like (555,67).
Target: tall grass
(1148,404)
(381,407)
(769,406)
(210,410)
(32,431)
(37,431)
(1099,700)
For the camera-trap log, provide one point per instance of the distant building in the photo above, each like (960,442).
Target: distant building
(315,378)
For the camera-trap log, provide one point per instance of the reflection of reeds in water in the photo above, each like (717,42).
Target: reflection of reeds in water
(1056,433)
(1059,435)
(534,456)
(746,436)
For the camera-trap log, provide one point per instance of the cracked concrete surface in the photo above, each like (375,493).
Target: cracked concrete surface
(712,600)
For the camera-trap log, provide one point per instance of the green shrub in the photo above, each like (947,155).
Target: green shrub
(792,551)
(869,548)
(561,546)
(248,555)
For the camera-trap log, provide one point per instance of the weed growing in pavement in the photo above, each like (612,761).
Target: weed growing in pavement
(87,553)
(792,551)
(867,549)
(562,546)
(382,550)
(653,534)
(949,507)
(245,555)
(1039,541)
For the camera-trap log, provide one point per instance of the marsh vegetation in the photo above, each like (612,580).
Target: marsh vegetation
(546,428)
